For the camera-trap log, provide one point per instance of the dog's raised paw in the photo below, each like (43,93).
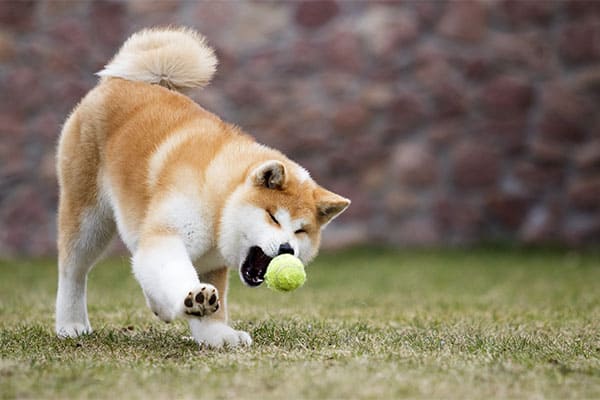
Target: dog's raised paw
(202,301)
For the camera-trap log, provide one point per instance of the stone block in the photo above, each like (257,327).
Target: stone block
(22,84)
(406,112)
(433,67)
(340,236)
(464,20)
(316,13)
(46,126)
(7,47)
(526,51)
(13,127)
(211,17)
(459,217)
(56,9)
(508,135)
(582,8)
(343,51)
(536,177)
(548,151)
(557,127)
(475,67)
(449,101)
(543,224)
(441,135)
(81,45)
(352,157)
(399,202)
(23,213)
(587,156)
(584,193)
(104,14)
(509,209)
(47,169)
(144,7)
(384,31)
(565,113)
(17,15)
(506,96)
(303,59)
(527,13)
(377,96)
(350,117)
(582,229)
(578,42)
(428,13)
(414,165)
(415,231)
(474,166)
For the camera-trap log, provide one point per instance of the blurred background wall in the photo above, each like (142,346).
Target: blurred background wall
(446,123)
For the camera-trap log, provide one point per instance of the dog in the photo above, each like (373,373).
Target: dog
(189,194)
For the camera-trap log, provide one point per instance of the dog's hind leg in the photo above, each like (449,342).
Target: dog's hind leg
(85,227)
(82,240)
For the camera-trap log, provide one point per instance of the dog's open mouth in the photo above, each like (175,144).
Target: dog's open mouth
(255,266)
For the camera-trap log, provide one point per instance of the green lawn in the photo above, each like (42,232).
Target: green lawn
(376,324)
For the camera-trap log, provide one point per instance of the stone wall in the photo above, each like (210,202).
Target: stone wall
(446,123)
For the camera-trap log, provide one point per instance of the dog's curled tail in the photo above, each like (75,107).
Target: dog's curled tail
(176,58)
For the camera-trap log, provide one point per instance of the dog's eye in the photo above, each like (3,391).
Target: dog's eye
(299,231)
(273,218)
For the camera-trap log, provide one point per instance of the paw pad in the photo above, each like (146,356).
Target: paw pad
(202,301)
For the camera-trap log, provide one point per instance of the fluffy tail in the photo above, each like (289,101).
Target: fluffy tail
(177,58)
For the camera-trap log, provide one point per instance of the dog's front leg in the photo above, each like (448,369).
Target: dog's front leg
(214,330)
(170,283)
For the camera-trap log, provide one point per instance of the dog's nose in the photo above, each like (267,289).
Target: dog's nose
(286,249)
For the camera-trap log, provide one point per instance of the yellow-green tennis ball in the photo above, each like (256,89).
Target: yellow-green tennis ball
(285,273)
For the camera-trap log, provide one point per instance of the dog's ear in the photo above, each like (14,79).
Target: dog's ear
(270,174)
(329,205)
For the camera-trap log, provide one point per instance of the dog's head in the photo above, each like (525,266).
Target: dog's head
(278,209)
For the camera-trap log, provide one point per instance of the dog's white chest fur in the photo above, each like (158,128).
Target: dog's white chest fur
(185,214)
(194,223)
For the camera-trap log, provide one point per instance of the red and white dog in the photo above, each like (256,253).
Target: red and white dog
(189,194)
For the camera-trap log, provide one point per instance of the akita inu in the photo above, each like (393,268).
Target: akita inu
(189,194)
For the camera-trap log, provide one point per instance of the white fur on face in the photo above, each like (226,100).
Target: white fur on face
(245,225)
(300,242)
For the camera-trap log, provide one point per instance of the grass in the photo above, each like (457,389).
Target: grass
(374,324)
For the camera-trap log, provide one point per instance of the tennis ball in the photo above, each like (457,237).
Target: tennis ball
(285,273)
